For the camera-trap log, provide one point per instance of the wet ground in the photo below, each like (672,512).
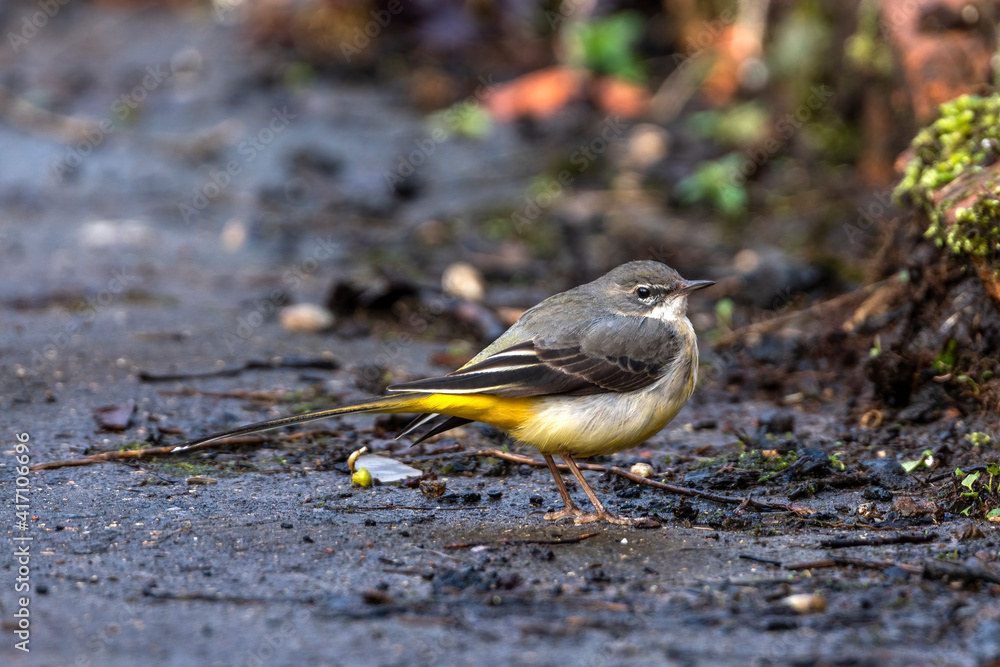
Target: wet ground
(280,561)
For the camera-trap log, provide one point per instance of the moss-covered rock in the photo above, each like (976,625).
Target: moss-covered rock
(954,177)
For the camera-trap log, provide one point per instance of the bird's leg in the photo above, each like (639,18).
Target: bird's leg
(571,507)
(601,513)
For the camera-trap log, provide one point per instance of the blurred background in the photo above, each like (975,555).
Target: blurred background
(260,169)
(213,212)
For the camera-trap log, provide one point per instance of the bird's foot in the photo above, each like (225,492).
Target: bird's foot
(616,519)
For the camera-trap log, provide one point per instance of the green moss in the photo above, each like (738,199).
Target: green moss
(134,446)
(964,140)
(756,460)
(767,465)
(867,50)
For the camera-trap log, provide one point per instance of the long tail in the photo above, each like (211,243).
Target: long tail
(394,403)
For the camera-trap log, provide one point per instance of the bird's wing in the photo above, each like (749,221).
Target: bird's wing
(606,354)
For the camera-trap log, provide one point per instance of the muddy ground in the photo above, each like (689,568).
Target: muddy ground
(280,561)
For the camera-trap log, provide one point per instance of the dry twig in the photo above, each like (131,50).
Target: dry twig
(506,543)
(795,508)
(878,541)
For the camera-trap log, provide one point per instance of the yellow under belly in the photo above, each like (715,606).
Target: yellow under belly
(610,423)
(504,413)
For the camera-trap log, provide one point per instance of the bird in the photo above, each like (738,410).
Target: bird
(590,371)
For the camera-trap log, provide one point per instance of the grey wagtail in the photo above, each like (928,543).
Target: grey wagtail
(594,370)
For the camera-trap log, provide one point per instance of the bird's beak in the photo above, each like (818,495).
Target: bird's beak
(689,286)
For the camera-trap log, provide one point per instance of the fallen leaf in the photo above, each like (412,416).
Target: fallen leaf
(386,470)
(911,507)
(114,417)
(620,98)
(537,95)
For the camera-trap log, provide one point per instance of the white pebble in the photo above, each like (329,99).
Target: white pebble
(306,318)
(464,281)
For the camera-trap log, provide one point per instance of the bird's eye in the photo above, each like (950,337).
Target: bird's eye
(643,292)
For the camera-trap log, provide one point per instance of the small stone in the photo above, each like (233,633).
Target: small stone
(306,318)
(200,480)
(805,603)
(643,470)
(463,281)
(877,493)
(433,488)
(647,144)
(888,473)
(869,511)
(778,423)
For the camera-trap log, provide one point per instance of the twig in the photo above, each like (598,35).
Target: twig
(758,559)
(820,308)
(253,364)
(241,394)
(842,561)
(149,452)
(505,542)
(795,508)
(940,569)
(878,541)
(141,468)
(358,508)
(950,473)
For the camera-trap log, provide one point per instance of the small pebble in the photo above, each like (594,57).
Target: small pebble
(877,493)
(805,603)
(306,318)
(464,281)
(433,488)
(201,480)
(643,470)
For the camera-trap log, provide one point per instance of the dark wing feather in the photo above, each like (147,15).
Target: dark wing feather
(617,354)
(446,425)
